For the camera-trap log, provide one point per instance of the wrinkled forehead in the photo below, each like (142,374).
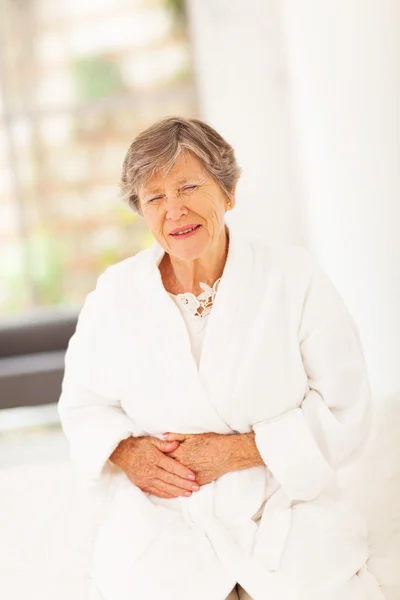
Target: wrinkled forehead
(184,167)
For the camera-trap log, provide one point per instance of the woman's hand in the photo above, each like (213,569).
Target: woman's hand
(206,454)
(211,455)
(145,462)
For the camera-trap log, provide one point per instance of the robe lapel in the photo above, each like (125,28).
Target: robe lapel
(223,338)
(174,365)
(213,382)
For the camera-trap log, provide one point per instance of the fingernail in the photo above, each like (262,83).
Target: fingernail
(187,494)
(195,488)
(165,435)
(192,477)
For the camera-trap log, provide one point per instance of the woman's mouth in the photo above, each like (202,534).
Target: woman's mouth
(186,232)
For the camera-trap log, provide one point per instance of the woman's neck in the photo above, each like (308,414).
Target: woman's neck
(180,276)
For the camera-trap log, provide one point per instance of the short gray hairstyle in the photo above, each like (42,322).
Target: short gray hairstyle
(158,147)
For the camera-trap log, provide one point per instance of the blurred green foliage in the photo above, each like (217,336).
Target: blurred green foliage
(15,283)
(126,214)
(178,7)
(47,267)
(96,77)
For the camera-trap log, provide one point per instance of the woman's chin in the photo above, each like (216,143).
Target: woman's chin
(188,254)
(188,249)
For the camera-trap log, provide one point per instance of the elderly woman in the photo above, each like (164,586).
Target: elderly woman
(217,385)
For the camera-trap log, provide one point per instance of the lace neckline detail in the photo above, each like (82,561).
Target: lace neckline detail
(199,306)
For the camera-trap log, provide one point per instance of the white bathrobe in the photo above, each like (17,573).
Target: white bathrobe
(282,357)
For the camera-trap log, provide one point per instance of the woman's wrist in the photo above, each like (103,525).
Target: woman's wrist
(242,452)
(119,455)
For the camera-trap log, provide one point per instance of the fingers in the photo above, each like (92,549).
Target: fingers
(151,470)
(180,437)
(173,466)
(173,490)
(166,446)
(176,481)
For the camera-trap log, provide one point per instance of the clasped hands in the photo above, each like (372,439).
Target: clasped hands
(180,463)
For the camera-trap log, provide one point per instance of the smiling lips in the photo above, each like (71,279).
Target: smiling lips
(183,232)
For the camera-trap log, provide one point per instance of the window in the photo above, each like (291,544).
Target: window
(78,81)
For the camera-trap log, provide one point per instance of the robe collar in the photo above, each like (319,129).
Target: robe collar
(222,335)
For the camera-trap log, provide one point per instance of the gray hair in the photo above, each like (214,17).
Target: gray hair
(159,146)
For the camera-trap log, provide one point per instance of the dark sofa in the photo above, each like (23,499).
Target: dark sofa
(32,351)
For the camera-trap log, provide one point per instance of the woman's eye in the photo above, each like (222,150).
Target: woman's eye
(154,199)
(189,188)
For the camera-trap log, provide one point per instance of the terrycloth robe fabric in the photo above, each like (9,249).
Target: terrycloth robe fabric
(281,356)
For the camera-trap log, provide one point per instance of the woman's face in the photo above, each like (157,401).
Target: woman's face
(186,198)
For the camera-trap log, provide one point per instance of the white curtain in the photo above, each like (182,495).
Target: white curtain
(309,94)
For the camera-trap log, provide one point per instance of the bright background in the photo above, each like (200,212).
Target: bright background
(307,92)
(79,80)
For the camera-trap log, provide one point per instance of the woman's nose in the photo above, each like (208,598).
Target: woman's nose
(175,208)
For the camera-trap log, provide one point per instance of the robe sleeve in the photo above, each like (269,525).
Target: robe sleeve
(89,406)
(304,447)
